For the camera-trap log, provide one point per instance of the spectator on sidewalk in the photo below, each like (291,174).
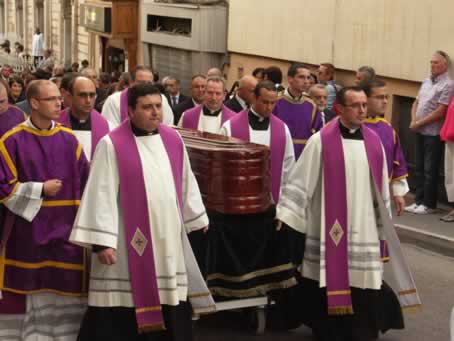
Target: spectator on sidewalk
(37,46)
(447,135)
(364,75)
(6,72)
(326,73)
(427,115)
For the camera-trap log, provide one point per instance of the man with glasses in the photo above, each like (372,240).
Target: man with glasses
(101,94)
(338,196)
(427,115)
(377,102)
(88,125)
(296,109)
(43,171)
(244,97)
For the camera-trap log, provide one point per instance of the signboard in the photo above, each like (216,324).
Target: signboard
(96,18)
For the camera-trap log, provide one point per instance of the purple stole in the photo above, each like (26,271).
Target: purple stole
(191,117)
(239,126)
(11,118)
(137,225)
(336,224)
(124,105)
(99,126)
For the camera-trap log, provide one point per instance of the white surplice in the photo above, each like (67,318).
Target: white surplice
(210,124)
(302,207)
(100,222)
(264,137)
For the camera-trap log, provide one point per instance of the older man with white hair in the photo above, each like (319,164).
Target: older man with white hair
(427,116)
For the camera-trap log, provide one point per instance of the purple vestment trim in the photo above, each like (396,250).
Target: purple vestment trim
(239,126)
(191,117)
(99,126)
(136,219)
(336,211)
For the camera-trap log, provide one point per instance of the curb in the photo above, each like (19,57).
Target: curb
(427,240)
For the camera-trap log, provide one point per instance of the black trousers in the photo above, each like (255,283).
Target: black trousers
(429,151)
(119,324)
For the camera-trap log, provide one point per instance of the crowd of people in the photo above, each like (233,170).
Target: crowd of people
(336,166)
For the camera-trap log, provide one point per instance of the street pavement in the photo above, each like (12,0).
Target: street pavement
(434,276)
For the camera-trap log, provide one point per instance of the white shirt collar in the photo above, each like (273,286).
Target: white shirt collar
(241,101)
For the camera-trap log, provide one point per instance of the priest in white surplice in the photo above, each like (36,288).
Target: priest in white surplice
(259,125)
(115,108)
(88,125)
(212,114)
(141,200)
(338,196)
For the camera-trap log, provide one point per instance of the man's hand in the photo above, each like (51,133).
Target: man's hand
(400,204)
(278,225)
(414,126)
(52,187)
(107,256)
(205,229)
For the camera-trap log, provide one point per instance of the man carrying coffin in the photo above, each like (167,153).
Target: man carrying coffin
(10,116)
(87,124)
(43,171)
(141,200)
(115,108)
(338,196)
(259,125)
(213,113)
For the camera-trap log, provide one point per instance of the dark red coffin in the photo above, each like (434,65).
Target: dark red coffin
(233,175)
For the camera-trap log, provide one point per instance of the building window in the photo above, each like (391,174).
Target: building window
(170,25)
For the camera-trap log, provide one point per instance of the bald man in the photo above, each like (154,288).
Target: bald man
(10,115)
(214,72)
(88,125)
(43,171)
(245,95)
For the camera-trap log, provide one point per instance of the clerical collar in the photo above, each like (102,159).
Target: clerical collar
(77,124)
(36,127)
(350,134)
(241,101)
(287,92)
(258,122)
(207,112)
(141,132)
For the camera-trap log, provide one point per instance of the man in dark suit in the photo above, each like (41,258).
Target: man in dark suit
(197,90)
(319,94)
(172,87)
(245,94)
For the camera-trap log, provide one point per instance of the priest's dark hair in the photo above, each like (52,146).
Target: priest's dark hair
(140,68)
(264,85)
(293,69)
(67,80)
(342,93)
(273,74)
(371,85)
(141,90)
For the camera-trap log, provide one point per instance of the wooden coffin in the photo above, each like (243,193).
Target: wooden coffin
(233,175)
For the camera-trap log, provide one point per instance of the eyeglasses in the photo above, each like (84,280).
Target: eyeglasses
(381,97)
(357,106)
(51,99)
(89,95)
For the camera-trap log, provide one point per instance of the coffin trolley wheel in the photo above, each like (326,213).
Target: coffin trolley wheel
(258,320)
